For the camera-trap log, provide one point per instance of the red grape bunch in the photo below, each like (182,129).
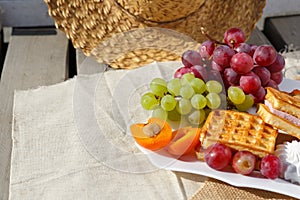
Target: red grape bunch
(248,67)
(218,156)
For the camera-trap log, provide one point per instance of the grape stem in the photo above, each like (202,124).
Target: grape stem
(232,43)
(204,32)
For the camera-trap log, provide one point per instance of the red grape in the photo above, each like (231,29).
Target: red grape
(259,95)
(181,71)
(278,65)
(277,77)
(235,63)
(217,67)
(250,82)
(243,162)
(215,75)
(263,73)
(242,47)
(231,77)
(206,49)
(218,156)
(234,36)
(199,72)
(270,166)
(253,47)
(190,58)
(265,55)
(272,84)
(222,55)
(242,63)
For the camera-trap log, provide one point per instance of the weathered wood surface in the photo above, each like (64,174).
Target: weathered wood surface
(31,61)
(258,38)
(21,13)
(282,31)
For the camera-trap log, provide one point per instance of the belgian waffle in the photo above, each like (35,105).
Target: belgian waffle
(281,110)
(283,101)
(240,131)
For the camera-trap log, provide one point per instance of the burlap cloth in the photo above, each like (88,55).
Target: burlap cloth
(64,150)
(217,190)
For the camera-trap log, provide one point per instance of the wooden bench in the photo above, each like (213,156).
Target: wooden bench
(283,31)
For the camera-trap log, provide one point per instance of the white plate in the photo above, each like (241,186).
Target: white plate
(162,159)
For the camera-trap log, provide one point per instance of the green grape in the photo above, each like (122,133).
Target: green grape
(247,104)
(198,85)
(213,100)
(198,101)
(149,101)
(214,86)
(184,106)
(197,117)
(187,78)
(173,115)
(160,113)
(158,86)
(186,91)
(168,102)
(174,86)
(236,95)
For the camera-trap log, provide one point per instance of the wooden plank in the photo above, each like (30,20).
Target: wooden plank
(278,8)
(6,34)
(1,47)
(282,31)
(20,13)
(257,37)
(31,61)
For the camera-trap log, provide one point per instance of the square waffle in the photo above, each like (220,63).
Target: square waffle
(240,131)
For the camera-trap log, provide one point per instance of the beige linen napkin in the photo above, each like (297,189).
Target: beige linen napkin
(56,156)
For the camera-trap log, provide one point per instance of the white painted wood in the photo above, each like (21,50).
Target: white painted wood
(31,61)
(258,38)
(1,41)
(21,13)
(6,34)
(279,8)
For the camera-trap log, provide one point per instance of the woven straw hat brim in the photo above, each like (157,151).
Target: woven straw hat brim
(160,11)
(90,22)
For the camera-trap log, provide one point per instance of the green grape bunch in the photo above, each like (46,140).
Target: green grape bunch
(192,98)
(187,97)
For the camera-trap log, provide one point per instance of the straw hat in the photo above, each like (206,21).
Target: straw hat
(87,23)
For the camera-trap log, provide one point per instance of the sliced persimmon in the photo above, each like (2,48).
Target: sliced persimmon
(149,136)
(185,140)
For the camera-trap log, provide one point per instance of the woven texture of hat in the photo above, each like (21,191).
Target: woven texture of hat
(217,190)
(89,22)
